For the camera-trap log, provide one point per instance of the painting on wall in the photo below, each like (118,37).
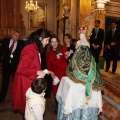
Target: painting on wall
(39,19)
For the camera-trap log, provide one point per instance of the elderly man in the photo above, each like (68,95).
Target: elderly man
(10,51)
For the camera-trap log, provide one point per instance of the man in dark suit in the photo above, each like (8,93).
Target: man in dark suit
(112,43)
(10,52)
(96,40)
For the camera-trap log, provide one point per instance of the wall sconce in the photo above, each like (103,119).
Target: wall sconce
(66,7)
(100,6)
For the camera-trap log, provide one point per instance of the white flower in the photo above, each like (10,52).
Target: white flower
(71,51)
(58,55)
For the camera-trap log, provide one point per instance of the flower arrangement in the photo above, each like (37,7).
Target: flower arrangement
(82,29)
(87,25)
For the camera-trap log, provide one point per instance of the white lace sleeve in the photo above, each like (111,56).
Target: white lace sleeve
(77,44)
(38,111)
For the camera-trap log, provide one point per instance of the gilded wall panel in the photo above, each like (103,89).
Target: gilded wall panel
(113,9)
(85,8)
(10,15)
(16,13)
(118,1)
(0,13)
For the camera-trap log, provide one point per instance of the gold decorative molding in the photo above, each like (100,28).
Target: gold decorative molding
(10,17)
(1,34)
(118,1)
(16,14)
(113,9)
(85,8)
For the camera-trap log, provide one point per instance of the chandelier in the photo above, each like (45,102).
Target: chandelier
(31,7)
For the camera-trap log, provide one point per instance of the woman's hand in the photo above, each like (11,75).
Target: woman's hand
(67,54)
(41,74)
(52,74)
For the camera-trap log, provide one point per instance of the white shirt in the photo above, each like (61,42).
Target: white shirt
(38,111)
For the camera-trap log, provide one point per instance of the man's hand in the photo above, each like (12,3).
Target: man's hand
(52,74)
(41,74)
(67,54)
(108,47)
(112,43)
(95,46)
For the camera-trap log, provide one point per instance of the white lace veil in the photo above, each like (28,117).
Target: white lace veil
(85,30)
(82,41)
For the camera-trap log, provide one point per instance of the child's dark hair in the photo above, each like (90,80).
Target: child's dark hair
(39,85)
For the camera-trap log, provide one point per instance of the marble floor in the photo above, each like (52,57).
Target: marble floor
(6,112)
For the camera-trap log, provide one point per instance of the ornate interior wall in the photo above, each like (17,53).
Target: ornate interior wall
(118,1)
(113,9)
(0,13)
(10,16)
(50,13)
(79,9)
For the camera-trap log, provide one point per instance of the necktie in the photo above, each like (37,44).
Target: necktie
(11,47)
(113,31)
(96,32)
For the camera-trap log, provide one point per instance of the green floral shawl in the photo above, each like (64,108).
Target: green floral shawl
(83,69)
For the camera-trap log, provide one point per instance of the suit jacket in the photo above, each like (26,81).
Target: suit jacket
(115,38)
(97,40)
(114,51)
(5,52)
